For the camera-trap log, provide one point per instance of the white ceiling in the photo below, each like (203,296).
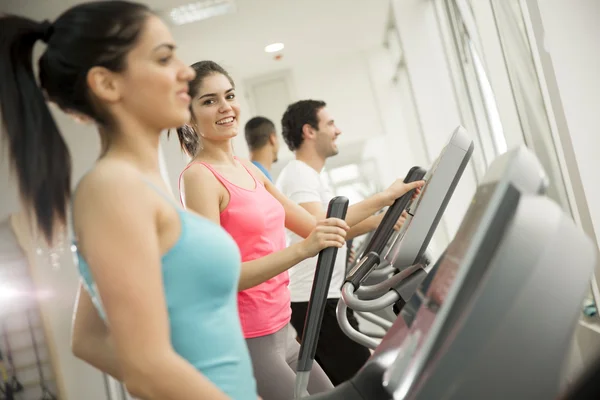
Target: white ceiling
(310,29)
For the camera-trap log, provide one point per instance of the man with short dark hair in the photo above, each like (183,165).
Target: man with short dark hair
(263,144)
(311,133)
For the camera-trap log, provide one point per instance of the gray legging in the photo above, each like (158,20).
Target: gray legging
(274,359)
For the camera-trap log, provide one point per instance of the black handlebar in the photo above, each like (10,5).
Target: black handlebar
(362,269)
(338,207)
(385,229)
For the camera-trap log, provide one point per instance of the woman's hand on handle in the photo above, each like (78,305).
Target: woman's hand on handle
(399,189)
(330,232)
(401,221)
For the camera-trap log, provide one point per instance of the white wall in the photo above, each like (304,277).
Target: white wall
(567,40)
(434,95)
(21,318)
(571,40)
(395,149)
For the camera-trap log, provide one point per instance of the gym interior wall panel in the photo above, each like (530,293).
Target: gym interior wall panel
(57,285)
(268,96)
(240,148)
(566,39)
(398,145)
(164,170)
(344,84)
(433,92)
(175,160)
(569,37)
(23,340)
(496,71)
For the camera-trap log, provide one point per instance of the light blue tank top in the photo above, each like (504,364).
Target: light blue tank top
(200,274)
(263,169)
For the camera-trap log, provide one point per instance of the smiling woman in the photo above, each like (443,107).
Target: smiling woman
(237,195)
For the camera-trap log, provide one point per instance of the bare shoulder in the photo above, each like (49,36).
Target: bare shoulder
(111,187)
(109,179)
(254,169)
(198,175)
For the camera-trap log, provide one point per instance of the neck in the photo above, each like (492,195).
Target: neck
(137,146)
(310,157)
(263,156)
(218,152)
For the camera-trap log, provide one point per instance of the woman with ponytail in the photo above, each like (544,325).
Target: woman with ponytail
(147,266)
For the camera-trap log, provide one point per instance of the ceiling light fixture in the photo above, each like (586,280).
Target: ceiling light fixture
(201,10)
(274,47)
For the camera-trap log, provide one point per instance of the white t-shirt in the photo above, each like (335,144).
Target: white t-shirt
(302,184)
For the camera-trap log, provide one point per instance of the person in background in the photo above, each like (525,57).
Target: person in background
(263,143)
(310,132)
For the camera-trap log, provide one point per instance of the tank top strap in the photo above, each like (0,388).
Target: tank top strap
(228,185)
(221,179)
(161,193)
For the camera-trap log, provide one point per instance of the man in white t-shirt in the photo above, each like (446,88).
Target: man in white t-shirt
(310,132)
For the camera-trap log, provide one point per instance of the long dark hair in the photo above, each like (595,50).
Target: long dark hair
(98,33)
(188,137)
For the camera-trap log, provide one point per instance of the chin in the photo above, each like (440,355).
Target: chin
(181,118)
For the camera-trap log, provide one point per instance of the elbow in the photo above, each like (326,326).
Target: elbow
(79,347)
(138,387)
(142,375)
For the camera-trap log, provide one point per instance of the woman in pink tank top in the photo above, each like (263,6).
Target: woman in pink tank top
(237,195)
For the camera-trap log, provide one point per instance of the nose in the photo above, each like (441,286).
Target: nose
(224,106)
(187,73)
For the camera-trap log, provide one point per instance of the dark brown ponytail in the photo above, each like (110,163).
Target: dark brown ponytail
(97,33)
(38,153)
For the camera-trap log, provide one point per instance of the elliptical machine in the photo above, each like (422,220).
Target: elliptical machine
(398,266)
(478,332)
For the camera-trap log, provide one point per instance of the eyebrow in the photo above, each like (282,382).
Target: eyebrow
(214,94)
(167,45)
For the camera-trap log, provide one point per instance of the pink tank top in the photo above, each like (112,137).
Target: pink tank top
(256,221)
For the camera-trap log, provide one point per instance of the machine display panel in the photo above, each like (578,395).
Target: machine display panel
(434,292)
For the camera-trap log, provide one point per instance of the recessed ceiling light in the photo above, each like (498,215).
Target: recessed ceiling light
(201,10)
(274,47)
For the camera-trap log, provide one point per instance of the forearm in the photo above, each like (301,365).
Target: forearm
(358,212)
(363,227)
(260,270)
(172,378)
(99,353)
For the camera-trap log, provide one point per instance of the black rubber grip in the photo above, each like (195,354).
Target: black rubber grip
(338,207)
(386,227)
(362,269)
